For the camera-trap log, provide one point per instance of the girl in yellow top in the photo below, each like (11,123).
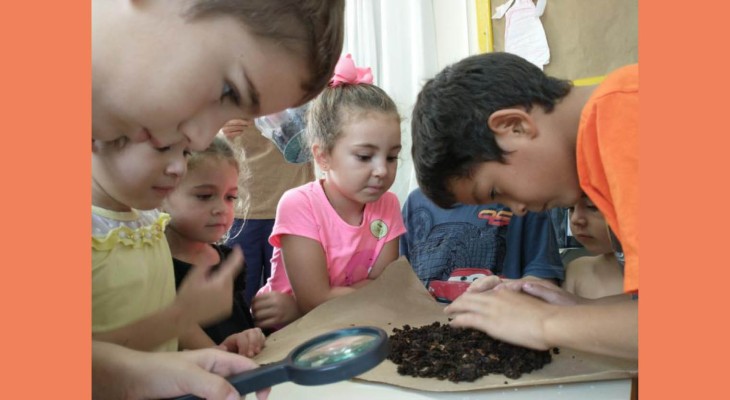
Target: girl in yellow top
(133,286)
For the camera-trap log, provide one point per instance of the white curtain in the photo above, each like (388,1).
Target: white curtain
(406,42)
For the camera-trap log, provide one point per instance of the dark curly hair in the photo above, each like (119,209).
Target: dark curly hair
(449,124)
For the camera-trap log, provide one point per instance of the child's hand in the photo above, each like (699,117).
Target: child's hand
(511,316)
(119,372)
(540,288)
(235,127)
(205,296)
(484,283)
(274,309)
(551,293)
(246,343)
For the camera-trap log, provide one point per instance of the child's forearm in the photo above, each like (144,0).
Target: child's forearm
(362,283)
(610,329)
(307,305)
(149,332)
(195,338)
(538,279)
(338,291)
(617,298)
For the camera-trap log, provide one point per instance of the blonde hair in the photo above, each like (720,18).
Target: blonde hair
(339,105)
(221,149)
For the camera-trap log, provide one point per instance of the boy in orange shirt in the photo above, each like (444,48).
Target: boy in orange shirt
(495,128)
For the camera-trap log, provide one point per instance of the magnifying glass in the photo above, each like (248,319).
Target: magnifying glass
(328,358)
(286,129)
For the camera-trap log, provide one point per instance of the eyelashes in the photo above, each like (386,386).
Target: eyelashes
(229,92)
(186,153)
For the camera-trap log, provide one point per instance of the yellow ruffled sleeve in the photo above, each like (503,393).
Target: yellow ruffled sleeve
(135,238)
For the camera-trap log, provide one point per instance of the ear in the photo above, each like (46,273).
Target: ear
(512,121)
(321,157)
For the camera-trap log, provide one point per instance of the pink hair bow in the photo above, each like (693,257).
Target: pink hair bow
(347,73)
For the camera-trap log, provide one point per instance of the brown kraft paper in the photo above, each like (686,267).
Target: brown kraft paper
(398,298)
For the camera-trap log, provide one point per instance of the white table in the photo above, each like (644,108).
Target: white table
(358,390)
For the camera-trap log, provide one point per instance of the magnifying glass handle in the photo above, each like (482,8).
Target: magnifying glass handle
(255,379)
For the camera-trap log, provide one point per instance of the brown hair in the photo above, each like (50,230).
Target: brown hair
(336,106)
(312,27)
(449,130)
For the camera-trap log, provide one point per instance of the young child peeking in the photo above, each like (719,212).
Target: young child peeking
(595,276)
(201,211)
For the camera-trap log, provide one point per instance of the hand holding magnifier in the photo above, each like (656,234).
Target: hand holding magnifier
(328,358)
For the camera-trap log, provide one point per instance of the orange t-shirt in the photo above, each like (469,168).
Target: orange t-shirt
(608,160)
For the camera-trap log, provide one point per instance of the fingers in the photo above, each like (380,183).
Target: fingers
(261,308)
(549,293)
(206,295)
(265,306)
(246,343)
(236,127)
(204,384)
(220,362)
(263,394)
(466,302)
(484,283)
(253,346)
(268,318)
(469,320)
(267,322)
(228,269)
(260,301)
(513,285)
(231,266)
(230,344)
(198,273)
(207,386)
(470,310)
(257,341)
(238,123)
(274,308)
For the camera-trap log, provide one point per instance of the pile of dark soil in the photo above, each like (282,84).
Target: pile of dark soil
(459,355)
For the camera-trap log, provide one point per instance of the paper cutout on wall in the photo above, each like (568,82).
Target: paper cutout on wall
(524,34)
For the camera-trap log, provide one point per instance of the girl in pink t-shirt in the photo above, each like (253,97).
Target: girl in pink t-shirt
(337,234)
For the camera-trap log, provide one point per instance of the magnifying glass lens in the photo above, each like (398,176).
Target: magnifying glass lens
(328,358)
(335,350)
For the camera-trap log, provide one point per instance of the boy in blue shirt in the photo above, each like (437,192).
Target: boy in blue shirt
(441,243)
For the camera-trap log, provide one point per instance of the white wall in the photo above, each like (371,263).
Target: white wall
(452,30)
(456,37)
(407,42)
